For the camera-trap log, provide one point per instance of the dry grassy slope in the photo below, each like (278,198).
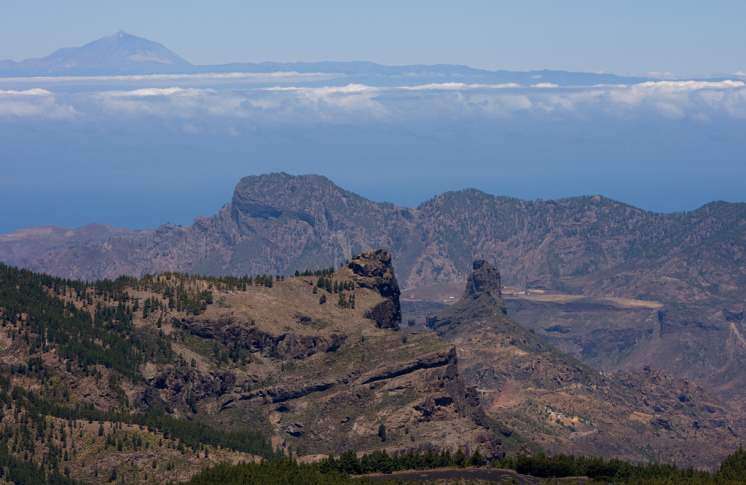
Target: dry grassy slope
(320,377)
(565,406)
(93,388)
(90,450)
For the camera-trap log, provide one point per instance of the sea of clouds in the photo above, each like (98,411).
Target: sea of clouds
(182,141)
(304,98)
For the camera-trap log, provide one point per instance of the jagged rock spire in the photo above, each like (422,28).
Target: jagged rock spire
(484,278)
(482,301)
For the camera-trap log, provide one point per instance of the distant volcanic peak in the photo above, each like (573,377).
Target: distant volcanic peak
(119,53)
(121,34)
(138,48)
(122,37)
(374,270)
(484,279)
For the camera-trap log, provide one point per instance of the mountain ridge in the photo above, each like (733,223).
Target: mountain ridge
(613,285)
(311,198)
(167,62)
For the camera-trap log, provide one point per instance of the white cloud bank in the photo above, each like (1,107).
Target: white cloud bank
(169,102)
(255,77)
(149,92)
(26,92)
(33,103)
(457,87)
(698,100)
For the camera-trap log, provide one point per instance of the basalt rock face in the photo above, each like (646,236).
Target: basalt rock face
(374,270)
(176,388)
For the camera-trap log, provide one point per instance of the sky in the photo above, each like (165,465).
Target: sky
(682,37)
(140,151)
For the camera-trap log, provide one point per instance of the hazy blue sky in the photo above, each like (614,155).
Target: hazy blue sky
(685,37)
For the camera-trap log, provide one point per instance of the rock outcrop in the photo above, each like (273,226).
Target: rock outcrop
(375,271)
(178,388)
(426,362)
(245,335)
(484,278)
(482,296)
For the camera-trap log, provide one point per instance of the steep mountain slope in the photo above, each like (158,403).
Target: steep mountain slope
(156,377)
(589,244)
(661,290)
(566,406)
(279,223)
